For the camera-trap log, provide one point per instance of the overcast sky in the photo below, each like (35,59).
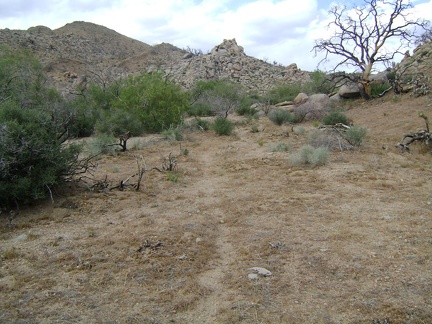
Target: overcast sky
(281,31)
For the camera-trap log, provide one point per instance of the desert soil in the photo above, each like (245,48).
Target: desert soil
(347,242)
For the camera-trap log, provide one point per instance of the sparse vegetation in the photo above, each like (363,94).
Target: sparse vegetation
(157,234)
(310,156)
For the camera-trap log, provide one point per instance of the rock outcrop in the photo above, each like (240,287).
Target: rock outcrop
(229,61)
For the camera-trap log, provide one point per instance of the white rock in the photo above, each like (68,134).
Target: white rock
(262,271)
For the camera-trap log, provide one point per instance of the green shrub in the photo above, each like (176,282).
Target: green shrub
(244,108)
(201,124)
(284,92)
(320,83)
(355,135)
(200,109)
(336,117)
(156,103)
(223,126)
(34,123)
(117,122)
(33,160)
(280,116)
(308,155)
(378,88)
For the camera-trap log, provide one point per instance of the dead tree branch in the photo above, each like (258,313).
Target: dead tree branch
(422,136)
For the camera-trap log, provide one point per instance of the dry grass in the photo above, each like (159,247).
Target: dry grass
(347,242)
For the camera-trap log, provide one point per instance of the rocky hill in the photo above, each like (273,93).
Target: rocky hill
(82,50)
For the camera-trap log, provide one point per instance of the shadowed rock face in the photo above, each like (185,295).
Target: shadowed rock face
(86,49)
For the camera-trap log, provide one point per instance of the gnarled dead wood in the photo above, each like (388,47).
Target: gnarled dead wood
(423,136)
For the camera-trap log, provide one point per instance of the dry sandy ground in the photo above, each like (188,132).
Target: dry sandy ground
(347,242)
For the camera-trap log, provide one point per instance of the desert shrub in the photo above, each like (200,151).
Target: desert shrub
(221,96)
(378,88)
(34,123)
(280,147)
(173,134)
(335,117)
(319,83)
(245,110)
(280,116)
(355,135)
(308,155)
(117,122)
(284,92)
(103,144)
(156,103)
(299,130)
(223,126)
(326,138)
(244,107)
(83,123)
(201,124)
(200,109)
(32,158)
(254,129)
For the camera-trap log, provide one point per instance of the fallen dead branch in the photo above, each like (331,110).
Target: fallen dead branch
(168,164)
(422,136)
(337,131)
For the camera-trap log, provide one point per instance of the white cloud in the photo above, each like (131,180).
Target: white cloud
(282,31)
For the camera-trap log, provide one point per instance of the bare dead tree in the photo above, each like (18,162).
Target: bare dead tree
(363,33)
(123,138)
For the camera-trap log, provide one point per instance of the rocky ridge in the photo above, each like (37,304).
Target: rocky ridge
(82,50)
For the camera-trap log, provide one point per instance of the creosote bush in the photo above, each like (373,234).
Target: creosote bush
(308,155)
(223,126)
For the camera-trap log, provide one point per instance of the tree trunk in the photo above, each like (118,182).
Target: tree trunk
(365,88)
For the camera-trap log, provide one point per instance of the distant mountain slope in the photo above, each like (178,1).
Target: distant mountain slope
(90,51)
